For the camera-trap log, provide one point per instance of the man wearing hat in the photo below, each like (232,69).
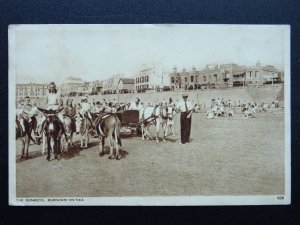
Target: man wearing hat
(185,106)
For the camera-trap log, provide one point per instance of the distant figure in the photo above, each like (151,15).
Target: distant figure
(136,105)
(98,108)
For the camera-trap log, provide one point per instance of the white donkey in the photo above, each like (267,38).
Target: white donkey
(83,127)
(160,116)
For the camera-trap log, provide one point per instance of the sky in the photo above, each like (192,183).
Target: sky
(44,53)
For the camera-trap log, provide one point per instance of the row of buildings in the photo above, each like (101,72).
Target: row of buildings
(155,78)
(224,75)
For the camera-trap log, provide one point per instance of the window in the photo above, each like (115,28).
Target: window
(172,79)
(204,78)
(196,78)
(192,78)
(185,79)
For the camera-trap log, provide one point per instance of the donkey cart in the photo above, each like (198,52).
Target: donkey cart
(129,121)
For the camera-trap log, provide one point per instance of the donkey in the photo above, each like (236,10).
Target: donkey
(158,116)
(108,126)
(83,127)
(24,135)
(69,128)
(171,112)
(53,131)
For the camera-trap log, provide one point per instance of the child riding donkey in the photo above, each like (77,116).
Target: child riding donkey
(53,104)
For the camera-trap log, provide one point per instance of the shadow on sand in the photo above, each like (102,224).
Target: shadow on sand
(73,151)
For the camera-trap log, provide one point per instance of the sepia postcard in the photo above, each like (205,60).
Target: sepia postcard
(149,114)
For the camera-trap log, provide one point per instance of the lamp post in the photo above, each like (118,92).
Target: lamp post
(118,88)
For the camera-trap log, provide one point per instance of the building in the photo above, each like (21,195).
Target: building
(118,84)
(150,78)
(33,90)
(72,86)
(126,85)
(225,75)
(95,87)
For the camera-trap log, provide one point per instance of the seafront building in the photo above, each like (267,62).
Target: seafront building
(151,78)
(117,83)
(33,90)
(224,75)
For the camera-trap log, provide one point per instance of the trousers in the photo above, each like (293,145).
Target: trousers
(185,127)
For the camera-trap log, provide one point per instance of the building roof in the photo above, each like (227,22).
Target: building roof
(32,84)
(73,80)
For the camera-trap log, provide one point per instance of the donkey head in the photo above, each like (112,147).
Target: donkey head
(78,122)
(52,120)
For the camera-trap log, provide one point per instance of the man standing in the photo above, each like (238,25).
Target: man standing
(185,106)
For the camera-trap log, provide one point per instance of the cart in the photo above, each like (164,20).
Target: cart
(129,121)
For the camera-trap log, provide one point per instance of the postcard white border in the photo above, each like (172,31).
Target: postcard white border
(146,201)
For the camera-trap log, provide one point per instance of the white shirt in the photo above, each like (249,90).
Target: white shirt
(52,99)
(134,106)
(181,105)
(85,106)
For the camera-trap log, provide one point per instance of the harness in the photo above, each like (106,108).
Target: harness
(99,122)
(153,118)
(161,113)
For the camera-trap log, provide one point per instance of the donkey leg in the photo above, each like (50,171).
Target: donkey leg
(49,149)
(111,148)
(23,148)
(143,130)
(146,133)
(71,140)
(44,144)
(87,141)
(55,149)
(81,141)
(64,143)
(157,131)
(58,148)
(172,129)
(118,156)
(27,142)
(101,146)
(52,145)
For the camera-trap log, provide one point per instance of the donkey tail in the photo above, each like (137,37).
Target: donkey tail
(116,132)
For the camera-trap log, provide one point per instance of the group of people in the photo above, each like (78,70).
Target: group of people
(221,108)
(28,110)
